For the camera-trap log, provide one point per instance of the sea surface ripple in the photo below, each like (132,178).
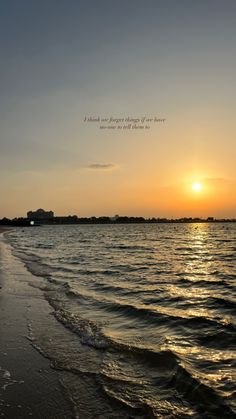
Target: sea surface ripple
(155,307)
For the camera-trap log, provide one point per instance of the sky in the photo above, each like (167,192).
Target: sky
(64,60)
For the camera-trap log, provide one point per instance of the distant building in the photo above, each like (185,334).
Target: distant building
(40,215)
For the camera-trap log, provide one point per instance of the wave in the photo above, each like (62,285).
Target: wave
(208,332)
(44,246)
(217,339)
(223,303)
(89,333)
(161,314)
(206,400)
(205,282)
(131,247)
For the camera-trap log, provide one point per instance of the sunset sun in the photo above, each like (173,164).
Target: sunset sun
(197,186)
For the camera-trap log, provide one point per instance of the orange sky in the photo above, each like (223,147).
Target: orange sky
(176,63)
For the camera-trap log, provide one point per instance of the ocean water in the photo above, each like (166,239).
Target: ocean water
(151,310)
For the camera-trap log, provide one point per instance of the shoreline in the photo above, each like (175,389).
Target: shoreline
(29,386)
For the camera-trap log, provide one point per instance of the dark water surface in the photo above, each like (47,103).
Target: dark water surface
(152,308)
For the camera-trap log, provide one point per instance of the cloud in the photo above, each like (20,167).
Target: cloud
(102,166)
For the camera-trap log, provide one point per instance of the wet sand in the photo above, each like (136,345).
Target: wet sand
(29,387)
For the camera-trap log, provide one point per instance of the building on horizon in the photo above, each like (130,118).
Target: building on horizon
(40,215)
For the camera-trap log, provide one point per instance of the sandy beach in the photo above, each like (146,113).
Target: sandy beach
(29,387)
